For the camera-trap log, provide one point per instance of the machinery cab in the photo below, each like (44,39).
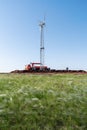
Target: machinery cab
(35,67)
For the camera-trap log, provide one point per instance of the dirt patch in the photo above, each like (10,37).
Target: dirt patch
(51,72)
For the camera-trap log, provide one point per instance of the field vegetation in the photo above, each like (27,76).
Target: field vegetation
(43,102)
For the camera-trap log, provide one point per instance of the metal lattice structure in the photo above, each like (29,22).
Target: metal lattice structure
(42,24)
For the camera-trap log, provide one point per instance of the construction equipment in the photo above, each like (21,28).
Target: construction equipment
(35,67)
(39,66)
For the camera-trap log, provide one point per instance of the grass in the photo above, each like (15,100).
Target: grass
(43,102)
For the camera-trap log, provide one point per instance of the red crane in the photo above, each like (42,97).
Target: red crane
(39,66)
(35,67)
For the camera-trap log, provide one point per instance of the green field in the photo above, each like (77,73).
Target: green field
(43,102)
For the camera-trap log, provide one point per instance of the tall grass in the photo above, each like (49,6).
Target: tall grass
(43,102)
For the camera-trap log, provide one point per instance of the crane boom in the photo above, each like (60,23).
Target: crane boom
(42,24)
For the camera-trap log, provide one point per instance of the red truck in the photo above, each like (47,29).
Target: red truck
(36,67)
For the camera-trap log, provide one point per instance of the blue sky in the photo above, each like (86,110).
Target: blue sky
(65,33)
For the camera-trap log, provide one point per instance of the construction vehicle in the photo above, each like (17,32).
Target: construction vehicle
(36,67)
(39,66)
